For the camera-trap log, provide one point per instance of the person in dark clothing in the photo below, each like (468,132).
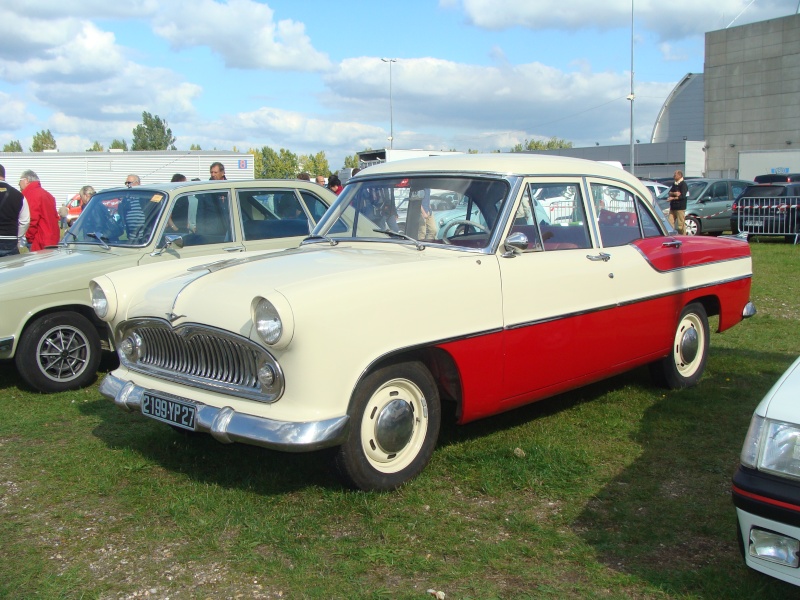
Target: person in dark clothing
(13,216)
(677,203)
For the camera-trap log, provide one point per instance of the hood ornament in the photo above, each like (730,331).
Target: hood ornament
(173,317)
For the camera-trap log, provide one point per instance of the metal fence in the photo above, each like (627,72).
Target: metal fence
(769,216)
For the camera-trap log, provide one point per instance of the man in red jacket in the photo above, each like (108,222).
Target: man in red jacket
(43,230)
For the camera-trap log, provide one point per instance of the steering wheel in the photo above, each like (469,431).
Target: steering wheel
(447,227)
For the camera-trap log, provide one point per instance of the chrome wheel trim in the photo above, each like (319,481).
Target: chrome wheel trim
(62,353)
(688,345)
(394,425)
(691,226)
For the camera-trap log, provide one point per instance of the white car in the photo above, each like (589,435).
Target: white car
(766,487)
(354,339)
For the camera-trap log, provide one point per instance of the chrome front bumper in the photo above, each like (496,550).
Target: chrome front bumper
(228,426)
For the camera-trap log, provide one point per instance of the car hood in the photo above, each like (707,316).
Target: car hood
(220,293)
(781,402)
(59,269)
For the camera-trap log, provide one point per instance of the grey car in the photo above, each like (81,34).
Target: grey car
(708,207)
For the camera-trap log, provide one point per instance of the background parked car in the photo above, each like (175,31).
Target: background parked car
(777,178)
(46,322)
(766,487)
(708,208)
(655,187)
(768,209)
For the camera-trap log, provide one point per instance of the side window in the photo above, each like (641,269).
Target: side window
(617,219)
(272,214)
(719,191)
(559,213)
(316,207)
(737,187)
(649,224)
(208,218)
(526,221)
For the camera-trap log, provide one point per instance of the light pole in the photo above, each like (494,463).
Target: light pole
(632,96)
(391,115)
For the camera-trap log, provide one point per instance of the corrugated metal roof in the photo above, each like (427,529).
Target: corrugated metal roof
(63,174)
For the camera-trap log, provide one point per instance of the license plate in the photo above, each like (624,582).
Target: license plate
(169,410)
(754,222)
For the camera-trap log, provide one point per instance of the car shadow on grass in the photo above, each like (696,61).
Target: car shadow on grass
(668,517)
(202,458)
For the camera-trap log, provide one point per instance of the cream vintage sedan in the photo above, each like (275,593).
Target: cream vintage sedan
(47,325)
(346,341)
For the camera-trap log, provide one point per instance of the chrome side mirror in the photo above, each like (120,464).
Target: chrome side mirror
(515,244)
(170,240)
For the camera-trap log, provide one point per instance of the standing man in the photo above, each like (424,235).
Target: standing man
(320,180)
(43,230)
(217,171)
(677,203)
(14,216)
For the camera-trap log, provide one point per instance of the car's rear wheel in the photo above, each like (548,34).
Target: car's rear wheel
(686,362)
(692,226)
(395,420)
(59,351)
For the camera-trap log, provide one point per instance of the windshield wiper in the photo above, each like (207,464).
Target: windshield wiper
(402,236)
(100,238)
(331,241)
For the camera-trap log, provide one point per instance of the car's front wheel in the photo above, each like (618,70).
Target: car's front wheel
(395,420)
(692,226)
(59,351)
(686,362)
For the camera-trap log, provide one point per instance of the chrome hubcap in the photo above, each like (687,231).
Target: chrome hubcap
(394,426)
(690,344)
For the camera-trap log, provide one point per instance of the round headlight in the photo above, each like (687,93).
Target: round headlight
(99,300)
(267,321)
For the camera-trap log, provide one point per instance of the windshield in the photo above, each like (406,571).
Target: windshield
(375,204)
(118,218)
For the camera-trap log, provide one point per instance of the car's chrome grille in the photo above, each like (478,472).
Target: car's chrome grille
(198,356)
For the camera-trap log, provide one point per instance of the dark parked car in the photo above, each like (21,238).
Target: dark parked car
(777,178)
(768,209)
(708,209)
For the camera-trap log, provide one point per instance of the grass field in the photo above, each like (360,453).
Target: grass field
(618,490)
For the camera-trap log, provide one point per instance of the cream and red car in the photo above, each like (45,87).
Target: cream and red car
(354,339)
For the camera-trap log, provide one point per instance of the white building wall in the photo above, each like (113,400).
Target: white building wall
(63,174)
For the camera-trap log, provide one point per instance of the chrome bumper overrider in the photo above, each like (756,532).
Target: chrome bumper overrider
(6,344)
(227,426)
(749,310)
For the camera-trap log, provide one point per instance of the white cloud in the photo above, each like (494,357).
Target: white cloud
(243,32)
(676,20)
(14,114)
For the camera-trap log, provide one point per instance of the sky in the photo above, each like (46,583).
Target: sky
(308,76)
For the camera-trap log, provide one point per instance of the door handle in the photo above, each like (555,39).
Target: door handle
(598,257)
(233,249)
(672,244)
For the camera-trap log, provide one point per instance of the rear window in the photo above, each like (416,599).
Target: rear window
(766,191)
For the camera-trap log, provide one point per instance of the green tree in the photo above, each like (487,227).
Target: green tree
(258,163)
(13,146)
(471,151)
(96,147)
(351,162)
(553,143)
(43,140)
(316,164)
(152,134)
(278,165)
(119,145)
(195,147)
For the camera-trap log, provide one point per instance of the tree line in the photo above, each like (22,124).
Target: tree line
(153,133)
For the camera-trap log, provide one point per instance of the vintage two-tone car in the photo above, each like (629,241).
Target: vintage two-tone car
(353,339)
(766,487)
(47,325)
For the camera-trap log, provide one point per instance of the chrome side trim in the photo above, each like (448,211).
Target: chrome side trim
(228,426)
